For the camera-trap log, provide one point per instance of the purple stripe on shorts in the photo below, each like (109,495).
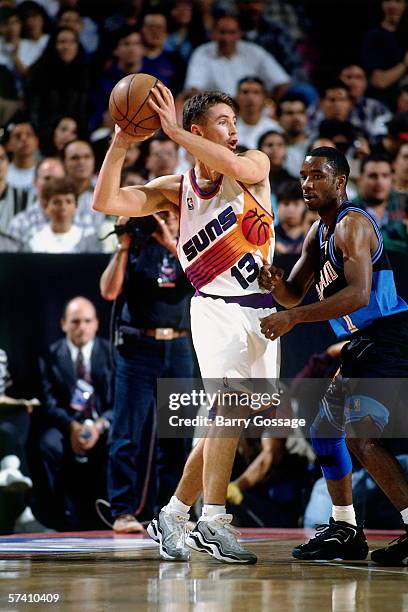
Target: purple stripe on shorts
(253,300)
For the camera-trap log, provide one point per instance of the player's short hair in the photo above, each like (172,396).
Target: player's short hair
(336,160)
(196,107)
(375,158)
(58,186)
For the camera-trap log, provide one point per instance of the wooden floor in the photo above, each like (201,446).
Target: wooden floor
(129,579)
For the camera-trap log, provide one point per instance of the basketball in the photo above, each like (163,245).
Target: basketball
(255,229)
(129,108)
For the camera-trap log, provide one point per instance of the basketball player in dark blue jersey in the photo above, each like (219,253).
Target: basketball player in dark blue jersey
(343,254)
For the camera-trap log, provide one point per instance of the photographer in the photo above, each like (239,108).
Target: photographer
(153,341)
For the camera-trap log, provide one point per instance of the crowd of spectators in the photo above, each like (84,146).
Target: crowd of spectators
(59,61)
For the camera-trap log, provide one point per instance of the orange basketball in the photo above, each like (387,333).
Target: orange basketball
(255,227)
(129,108)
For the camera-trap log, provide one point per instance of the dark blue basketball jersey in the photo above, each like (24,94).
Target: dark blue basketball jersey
(330,279)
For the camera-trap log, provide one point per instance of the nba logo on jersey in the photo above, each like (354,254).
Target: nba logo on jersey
(190,204)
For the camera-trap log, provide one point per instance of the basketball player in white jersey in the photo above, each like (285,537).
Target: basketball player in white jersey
(226,232)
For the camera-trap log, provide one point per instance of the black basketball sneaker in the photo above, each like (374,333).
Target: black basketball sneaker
(337,540)
(396,553)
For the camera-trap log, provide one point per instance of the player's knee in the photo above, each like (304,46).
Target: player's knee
(332,454)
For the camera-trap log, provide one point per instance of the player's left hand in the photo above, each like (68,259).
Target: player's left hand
(163,103)
(277,324)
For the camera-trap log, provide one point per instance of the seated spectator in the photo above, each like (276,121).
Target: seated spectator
(70,471)
(368,114)
(395,234)
(9,95)
(57,84)
(79,162)
(293,120)
(375,191)
(16,53)
(402,99)
(16,515)
(22,144)
(186,30)
(290,231)
(29,221)
(271,35)
(87,30)
(127,58)
(335,103)
(60,234)
(220,64)
(12,202)
(252,121)
(384,55)
(63,131)
(397,130)
(167,66)
(275,146)
(162,157)
(34,20)
(400,167)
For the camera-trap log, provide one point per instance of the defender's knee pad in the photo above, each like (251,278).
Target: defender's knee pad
(333,455)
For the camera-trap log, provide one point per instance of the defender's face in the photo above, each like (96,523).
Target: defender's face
(318,182)
(219,126)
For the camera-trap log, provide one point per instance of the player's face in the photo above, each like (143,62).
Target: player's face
(318,182)
(220,126)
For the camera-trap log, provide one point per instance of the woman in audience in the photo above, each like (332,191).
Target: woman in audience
(58,83)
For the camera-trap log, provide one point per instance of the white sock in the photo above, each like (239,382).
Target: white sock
(210,510)
(404,514)
(345,514)
(175,505)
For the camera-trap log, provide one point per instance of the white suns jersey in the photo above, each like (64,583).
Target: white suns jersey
(224,235)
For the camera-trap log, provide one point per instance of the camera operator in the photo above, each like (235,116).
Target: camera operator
(153,341)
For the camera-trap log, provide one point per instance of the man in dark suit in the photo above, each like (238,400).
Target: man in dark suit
(76,377)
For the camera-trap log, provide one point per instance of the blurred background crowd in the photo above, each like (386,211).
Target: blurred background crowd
(303,74)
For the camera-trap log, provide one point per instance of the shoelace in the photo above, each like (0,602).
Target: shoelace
(231,532)
(324,529)
(181,531)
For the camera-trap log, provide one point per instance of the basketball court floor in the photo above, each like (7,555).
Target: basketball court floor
(98,571)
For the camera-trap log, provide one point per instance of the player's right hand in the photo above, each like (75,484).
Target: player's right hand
(270,276)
